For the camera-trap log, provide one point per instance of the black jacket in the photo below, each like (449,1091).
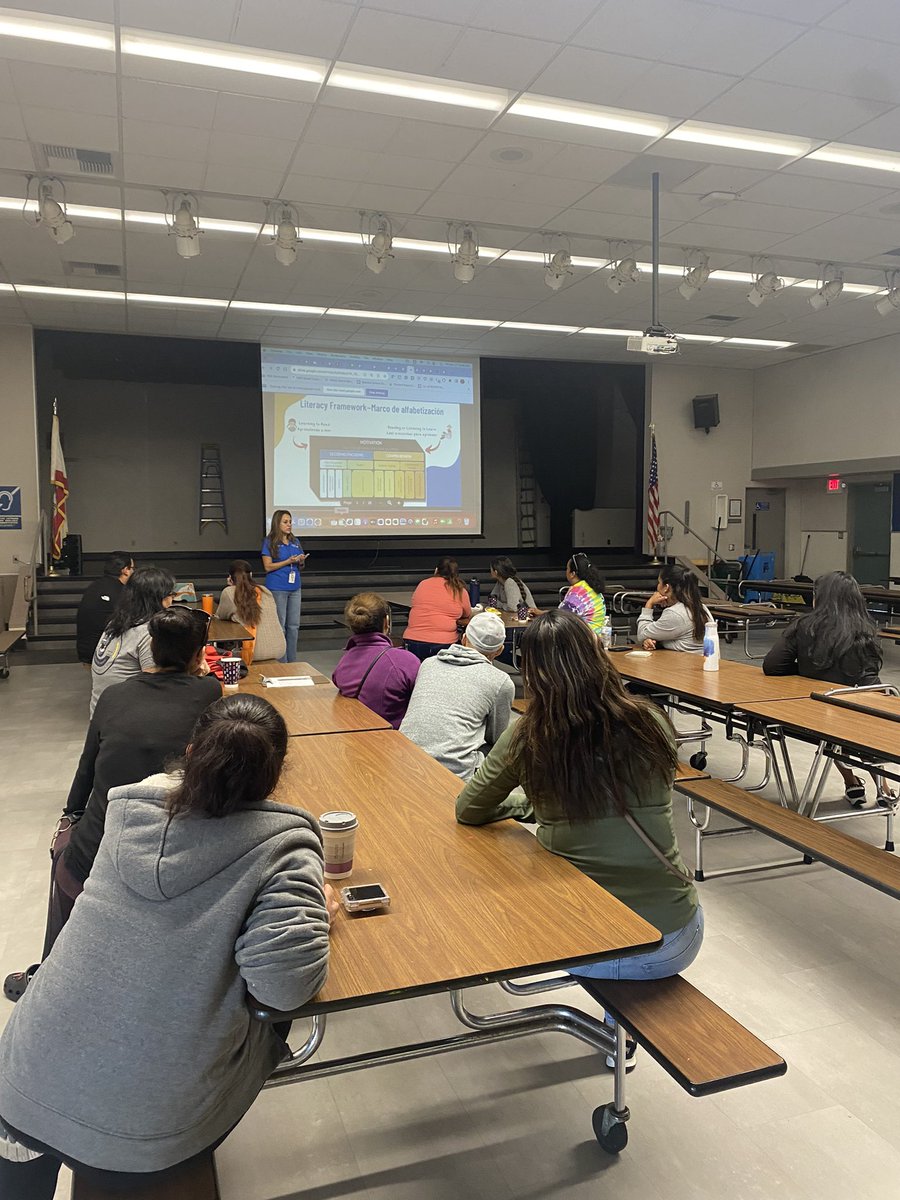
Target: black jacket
(137,727)
(94,612)
(792,655)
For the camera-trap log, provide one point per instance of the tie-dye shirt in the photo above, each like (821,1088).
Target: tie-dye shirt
(584,602)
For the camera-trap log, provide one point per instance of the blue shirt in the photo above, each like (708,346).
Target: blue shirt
(279,581)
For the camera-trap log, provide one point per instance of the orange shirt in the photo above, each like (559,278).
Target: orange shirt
(435,612)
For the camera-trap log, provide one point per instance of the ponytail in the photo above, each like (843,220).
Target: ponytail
(448,570)
(687,591)
(582,566)
(246,596)
(237,750)
(504,567)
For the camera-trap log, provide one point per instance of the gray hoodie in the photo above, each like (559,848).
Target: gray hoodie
(133,1048)
(460,705)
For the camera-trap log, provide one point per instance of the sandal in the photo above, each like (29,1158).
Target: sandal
(886,799)
(14,985)
(855,793)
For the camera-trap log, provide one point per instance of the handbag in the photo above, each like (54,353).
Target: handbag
(355,696)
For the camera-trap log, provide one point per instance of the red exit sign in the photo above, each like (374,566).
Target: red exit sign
(834,483)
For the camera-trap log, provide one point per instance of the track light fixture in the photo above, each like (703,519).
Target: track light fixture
(378,238)
(696,273)
(765,284)
(50,198)
(831,284)
(624,270)
(462,242)
(556,267)
(285,236)
(183,220)
(890,302)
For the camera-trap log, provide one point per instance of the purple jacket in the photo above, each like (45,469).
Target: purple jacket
(389,684)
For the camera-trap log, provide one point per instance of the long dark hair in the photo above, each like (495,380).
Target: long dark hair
(177,635)
(839,624)
(246,601)
(584,739)
(448,569)
(235,757)
(275,538)
(686,590)
(579,564)
(143,597)
(504,567)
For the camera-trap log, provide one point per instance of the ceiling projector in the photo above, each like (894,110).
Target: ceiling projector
(654,342)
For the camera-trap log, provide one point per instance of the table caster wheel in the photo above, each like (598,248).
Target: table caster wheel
(610,1129)
(4,672)
(698,761)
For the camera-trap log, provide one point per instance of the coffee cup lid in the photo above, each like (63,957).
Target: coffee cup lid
(338,820)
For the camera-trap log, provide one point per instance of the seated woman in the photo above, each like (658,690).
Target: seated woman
(597,765)
(124,648)
(680,624)
(137,727)
(438,605)
(204,891)
(836,642)
(253,606)
(372,669)
(585,595)
(508,592)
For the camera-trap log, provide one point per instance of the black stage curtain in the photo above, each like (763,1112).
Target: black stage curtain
(563,406)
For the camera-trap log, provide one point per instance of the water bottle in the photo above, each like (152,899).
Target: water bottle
(711,646)
(606,634)
(474,592)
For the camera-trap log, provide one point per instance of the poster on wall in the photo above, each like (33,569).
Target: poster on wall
(10,507)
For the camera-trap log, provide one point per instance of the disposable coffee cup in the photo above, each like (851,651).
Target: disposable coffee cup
(231,671)
(338,841)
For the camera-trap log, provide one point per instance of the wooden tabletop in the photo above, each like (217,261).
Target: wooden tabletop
(316,709)
(279,670)
(876,703)
(734,685)
(227,631)
(468,904)
(829,722)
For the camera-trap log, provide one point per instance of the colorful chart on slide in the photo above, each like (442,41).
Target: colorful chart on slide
(365,444)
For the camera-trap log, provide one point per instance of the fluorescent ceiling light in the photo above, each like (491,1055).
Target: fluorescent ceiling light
(523,256)
(61,293)
(417,87)
(365,315)
(857,156)
(259,306)
(595,264)
(457,321)
(539,328)
(619,120)
(6,287)
(732,276)
(698,337)
(762,343)
(193,301)
(222,55)
(611,332)
(740,139)
(87,34)
(664,268)
(855,289)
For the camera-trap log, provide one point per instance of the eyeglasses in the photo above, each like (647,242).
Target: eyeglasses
(199,614)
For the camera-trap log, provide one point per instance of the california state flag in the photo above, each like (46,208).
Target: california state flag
(59,481)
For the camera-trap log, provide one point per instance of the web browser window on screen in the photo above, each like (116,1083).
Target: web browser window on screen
(367,444)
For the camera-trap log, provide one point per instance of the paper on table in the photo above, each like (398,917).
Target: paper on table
(287,680)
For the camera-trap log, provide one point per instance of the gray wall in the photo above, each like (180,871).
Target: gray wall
(18,444)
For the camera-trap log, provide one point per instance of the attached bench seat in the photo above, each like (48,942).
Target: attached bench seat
(196,1183)
(7,641)
(869,864)
(701,1046)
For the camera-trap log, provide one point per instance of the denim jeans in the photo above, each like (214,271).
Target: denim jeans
(287,605)
(677,952)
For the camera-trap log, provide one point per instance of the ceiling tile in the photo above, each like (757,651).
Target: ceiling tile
(619,226)
(384,198)
(497,59)
(447,143)
(81,91)
(883,132)
(84,10)
(58,127)
(536,153)
(805,11)
(164,141)
(400,170)
(306,189)
(672,91)
(553,22)
(257,117)
(711,237)
(168,103)
(781,108)
(685,33)
(454,207)
(310,27)
(242,181)
(516,185)
(11,124)
(245,150)
(174,173)
(848,66)
(874,17)
(210,20)
(589,75)
(722,178)
(744,214)
(399,43)
(803,192)
(849,238)
(354,130)
(7,91)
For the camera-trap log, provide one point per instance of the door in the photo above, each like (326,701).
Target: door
(764,524)
(869,513)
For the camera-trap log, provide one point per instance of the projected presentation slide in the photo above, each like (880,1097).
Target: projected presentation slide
(366,444)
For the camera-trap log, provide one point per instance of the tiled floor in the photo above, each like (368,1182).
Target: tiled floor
(805,957)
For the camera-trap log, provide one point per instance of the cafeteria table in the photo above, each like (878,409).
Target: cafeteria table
(316,708)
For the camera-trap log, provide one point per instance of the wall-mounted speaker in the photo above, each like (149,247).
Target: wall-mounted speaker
(706,412)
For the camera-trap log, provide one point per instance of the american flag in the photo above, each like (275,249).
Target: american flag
(653,498)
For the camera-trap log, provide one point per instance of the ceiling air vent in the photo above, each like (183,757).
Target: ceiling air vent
(88,162)
(717,319)
(94,270)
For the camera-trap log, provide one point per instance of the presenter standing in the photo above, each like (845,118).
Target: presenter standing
(283,559)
